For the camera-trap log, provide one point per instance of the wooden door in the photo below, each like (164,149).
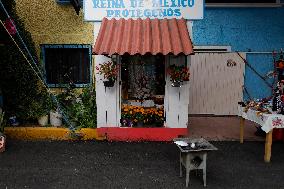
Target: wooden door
(216,83)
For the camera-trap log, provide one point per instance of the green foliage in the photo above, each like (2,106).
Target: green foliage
(80,107)
(23,95)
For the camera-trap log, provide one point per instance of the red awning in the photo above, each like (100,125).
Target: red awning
(167,36)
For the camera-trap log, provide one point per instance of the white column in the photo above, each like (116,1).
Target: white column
(176,98)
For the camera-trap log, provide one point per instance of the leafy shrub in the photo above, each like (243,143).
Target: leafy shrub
(80,107)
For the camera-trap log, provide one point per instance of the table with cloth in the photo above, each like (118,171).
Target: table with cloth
(267,122)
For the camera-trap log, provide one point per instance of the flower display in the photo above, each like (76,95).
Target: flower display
(178,73)
(109,70)
(142,114)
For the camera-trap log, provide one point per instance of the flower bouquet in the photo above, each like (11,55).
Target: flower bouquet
(178,74)
(109,70)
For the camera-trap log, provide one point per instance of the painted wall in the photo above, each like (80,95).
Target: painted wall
(245,29)
(51,23)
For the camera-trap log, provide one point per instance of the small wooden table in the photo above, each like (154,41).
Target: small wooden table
(267,122)
(194,158)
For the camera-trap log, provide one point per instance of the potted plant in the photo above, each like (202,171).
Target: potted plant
(44,111)
(79,107)
(42,106)
(2,136)
(109,70)
(55,118)
(178,74)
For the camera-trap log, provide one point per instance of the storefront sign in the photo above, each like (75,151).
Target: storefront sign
(96,10)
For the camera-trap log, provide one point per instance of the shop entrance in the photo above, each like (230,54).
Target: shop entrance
(142,90)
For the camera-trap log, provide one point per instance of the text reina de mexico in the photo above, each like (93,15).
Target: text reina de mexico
(142,8)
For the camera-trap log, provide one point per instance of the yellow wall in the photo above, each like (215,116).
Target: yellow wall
(52,23)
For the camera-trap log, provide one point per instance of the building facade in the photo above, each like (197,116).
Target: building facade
(219,77)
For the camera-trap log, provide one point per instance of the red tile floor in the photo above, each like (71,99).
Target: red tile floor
(221,129)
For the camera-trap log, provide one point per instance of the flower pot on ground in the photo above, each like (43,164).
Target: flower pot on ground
(55,118)
(43,120)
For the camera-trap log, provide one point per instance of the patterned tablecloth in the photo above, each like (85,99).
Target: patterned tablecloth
(266,121)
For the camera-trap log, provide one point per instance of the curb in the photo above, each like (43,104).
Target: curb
(49,133)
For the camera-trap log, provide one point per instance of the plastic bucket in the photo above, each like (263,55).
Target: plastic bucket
(55,119)
(43,120)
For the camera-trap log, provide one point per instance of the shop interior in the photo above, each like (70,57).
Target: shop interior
(142,90)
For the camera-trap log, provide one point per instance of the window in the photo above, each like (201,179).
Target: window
(66,64)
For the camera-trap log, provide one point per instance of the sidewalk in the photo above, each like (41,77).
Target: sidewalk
(221,129)
(149,165)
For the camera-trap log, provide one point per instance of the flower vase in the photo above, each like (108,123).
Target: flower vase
(43,120)
(109,83)
(55,119)
(176,84)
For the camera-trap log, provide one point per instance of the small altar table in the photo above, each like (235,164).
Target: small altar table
(193,157)
(267,122)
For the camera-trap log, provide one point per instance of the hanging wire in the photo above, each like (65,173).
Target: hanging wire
(53,97)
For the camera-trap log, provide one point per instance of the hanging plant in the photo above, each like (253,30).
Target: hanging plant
(109,70)
(178,74)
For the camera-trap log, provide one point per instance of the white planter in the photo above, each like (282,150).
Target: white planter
(55,119)
(43,120)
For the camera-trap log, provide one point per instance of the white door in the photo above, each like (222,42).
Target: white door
(216,83)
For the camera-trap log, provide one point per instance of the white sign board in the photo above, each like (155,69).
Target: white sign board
(96,10)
